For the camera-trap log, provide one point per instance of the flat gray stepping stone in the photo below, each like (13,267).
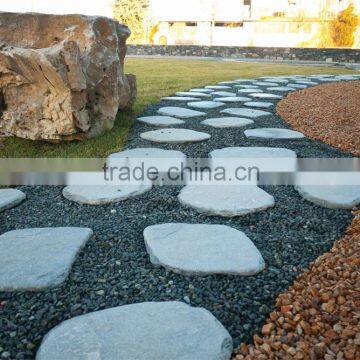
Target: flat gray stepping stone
(175,136)
(9,198)
(227,122)
(104,194)
(281,88)
(223,93)
(160,120)
(273,133)
(201,90)
(266,83)
(247,86)
(259,104)
(250,113)
(218,87)
(143,331)
(243,80)
(200,249)
(192,94)
(305,82)
(227,82)
(180,98)
(161,159)
(232,99)
(265,96)
(298,86)
(180,112)
(277,80)
(328,80)
(205,104)
(249,91)
(227,201)
(36,259)
(331,196)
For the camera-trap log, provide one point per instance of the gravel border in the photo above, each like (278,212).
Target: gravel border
(114,268)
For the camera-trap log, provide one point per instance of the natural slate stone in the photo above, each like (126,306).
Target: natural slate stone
(227,201)
(277,80)
(179,98)
(266,96)
(265,83)
(281,88)
(180,112)
(192,94)
(259,104)
(160,120)
(36,259)
(298,86)
(205,104)
(9,198)
(223,93)
(232,99)
(249,91)
(175,136)
(273,133)
(331,196)
(201,90)
(251,113)
(218,87)
(227,122)
(247,86)
(201,249)
(104,194)
(305,82)
(143,331)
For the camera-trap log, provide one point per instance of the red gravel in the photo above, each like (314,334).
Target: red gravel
(319,316)
(329,113)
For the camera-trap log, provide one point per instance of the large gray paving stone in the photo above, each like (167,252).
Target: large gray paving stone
(227,200)
(227,122)
(331,196)
(104,194)
(232,99)
(265,83)
(259,104)
(218,87)
(266,96)
(175,136)
(250,113)
(144,331)
(202,90)
(277,80)
(180,112)
(36,259)
(223,94)
(161,121)
(273,133)
(201,249)
(179,98)
(281,88)
(249,91)
(193,94)
(9,198)
(205,104)
(247,86)
(298,86)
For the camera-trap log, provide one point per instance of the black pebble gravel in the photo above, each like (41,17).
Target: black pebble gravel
(114,268)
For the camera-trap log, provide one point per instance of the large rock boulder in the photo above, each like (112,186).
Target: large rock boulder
(61,77)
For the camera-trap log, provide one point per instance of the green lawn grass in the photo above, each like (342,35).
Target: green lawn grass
(156,78)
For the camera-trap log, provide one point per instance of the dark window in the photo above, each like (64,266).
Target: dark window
(191,24)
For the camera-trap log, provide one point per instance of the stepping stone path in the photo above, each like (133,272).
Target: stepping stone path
(281,88)
(144,331)
(199,249)
(160,120)
(223,93)
(175,136)
(193,94)
(266,96)
(227,122)
(179,98)
(249,91)
(232,99)
(36,259)
(9,198)
(205,104)
(251,113)
(331,196)
(104,194)
(259,104)
(273,133)
(202,90)
(218,87)
(180,112)
(227,201)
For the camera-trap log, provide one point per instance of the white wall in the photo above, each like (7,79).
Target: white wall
(86,7)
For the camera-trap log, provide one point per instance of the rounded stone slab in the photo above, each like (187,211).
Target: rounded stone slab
(160,120)
(298,86)
(201,90)
(205,104)
(250,113)
(259,104)
(227,82)
(199,249)
(218,87)
(305,82)
(265,83)
(179,98)
(143,331)
(232,99)
(273,133)
(335,196)
(223,93)
(281,88)
(249,91)
(179,112)
(226,201)
(174,136)
(104,194)
(276,80)
(266,96)
(9,198)
(36,259)
(247,86)
(227,122)
(192,94)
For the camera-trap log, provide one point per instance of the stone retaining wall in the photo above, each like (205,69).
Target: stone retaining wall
(296,54)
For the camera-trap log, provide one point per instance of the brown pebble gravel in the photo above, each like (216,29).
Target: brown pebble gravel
(329,113)
(319,316)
